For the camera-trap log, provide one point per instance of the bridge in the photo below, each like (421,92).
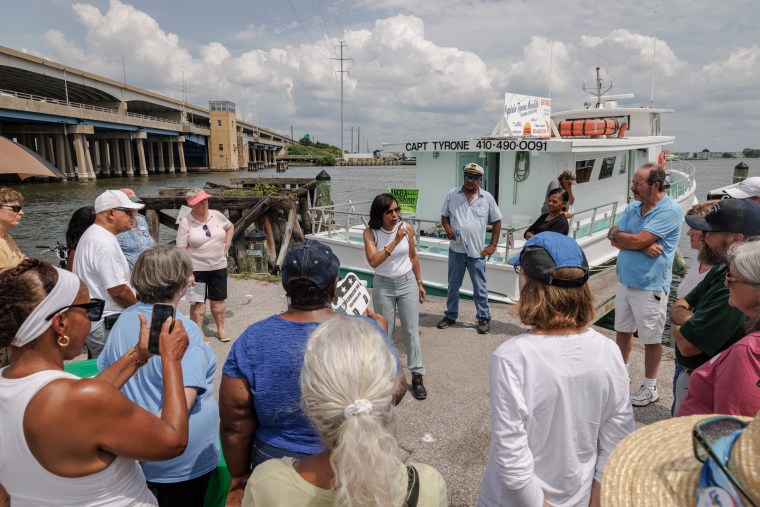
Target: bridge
(89,125)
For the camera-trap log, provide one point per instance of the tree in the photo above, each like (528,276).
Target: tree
(305,141)
(728,155)
(705,151)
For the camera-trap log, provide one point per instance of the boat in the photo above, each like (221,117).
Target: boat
(604,145)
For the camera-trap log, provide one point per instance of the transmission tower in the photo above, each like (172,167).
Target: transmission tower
(341,71)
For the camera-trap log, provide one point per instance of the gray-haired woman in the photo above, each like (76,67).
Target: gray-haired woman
(161,275)
(348,381)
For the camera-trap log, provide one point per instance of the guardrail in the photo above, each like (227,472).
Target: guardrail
(88,107)
(679,188)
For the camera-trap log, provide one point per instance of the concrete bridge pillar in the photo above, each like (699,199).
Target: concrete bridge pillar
(69,160)
(129,157)
(181,152)
(82,155)
(88,151)
(161,165)
(105,166)
(42,146)
(170,153)
(141,158)
(50,149)
(151,158)
(60,151)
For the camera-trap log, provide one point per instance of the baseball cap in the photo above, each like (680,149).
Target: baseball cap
(473,168)
(111,199)
(198,198)
(729,215)
(311,261)
(546,252)
(747,188)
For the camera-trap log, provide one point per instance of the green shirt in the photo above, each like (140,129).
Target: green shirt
(715,325)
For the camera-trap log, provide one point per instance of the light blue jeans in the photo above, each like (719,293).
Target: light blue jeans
(387,294)
(476,267)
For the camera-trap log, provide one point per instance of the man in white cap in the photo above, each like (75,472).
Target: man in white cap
(465,213)
(748,189)
(101,265)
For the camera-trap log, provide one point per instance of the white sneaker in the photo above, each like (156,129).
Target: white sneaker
(644,396)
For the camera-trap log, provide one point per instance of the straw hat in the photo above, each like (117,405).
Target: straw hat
(655,465)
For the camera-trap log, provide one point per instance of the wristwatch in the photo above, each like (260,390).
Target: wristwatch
(611,236)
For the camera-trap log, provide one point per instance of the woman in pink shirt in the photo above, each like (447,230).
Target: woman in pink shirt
(730,382)
(207,235)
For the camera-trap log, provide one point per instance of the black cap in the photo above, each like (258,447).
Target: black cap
(729,215)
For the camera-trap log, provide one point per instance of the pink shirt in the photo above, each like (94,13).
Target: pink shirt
(727,384)
(207,252)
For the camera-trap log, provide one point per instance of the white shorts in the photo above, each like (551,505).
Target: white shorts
(641,310)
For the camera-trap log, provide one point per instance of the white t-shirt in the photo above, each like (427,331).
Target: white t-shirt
(398,263)
(559,405)
(204,241)
(101,265)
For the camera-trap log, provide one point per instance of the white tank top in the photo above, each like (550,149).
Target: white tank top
(398,263)
(121,484)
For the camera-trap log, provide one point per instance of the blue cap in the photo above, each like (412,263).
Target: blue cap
(311,261)
(546,252)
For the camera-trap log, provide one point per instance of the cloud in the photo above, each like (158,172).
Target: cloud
(423,73)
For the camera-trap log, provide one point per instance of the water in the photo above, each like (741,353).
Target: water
(49,206)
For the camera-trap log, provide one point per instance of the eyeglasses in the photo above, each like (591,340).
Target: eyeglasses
(208,232)
(637,184)
(15,207)
(472,177)
(731,279)
(393,210)
(94,309)
(517,269)
(128,211)
(709,431)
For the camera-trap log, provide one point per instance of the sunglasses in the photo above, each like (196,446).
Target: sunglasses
(208,232)
(15,207)
(128,211)
(731,279)
(709,431)
(393,210)
(517,269)
(472,177)
(94,309)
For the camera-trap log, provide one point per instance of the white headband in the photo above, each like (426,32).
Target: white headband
(63,294)
(358,407)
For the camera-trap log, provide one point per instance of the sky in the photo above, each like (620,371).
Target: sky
(416,70)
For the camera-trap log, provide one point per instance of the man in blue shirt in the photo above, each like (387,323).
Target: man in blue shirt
(466,212)
(647,236)
(137,239)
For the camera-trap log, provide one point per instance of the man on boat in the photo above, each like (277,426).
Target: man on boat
(747,189)
(647,236)
(703,322)
(466,212)
(565,182)
(101,265)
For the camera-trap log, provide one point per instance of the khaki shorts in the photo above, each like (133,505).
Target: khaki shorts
(641,310)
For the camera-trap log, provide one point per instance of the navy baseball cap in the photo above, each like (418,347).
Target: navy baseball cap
(729,215)
(311,261)
(546,252)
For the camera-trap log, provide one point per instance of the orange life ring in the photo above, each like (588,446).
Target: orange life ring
(661,160)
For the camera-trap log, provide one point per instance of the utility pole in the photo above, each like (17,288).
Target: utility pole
(341,60)
(352,138)
(358,136)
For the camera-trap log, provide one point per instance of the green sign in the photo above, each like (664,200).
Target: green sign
(406,197)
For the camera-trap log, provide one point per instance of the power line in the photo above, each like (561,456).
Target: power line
(298,19)
(341,60)
(324,21)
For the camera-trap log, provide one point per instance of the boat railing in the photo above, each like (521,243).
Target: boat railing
(593,220)
(683,185)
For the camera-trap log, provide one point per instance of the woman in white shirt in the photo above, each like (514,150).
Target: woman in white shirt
(559,393)
(389,246)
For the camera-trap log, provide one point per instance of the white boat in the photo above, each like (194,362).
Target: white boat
(517,171)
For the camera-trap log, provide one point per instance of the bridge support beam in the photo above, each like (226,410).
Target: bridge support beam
(84,165)
(170,153)
(181,152)
(129,157)
(141,157)
(161,165)
(151,158)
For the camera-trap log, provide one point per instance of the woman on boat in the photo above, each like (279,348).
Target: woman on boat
(559,393)
(11,213)
(161,275)
(728,384)
(82,218)
(348,382)
(207,235)
(71,441)
(555,219)
(259,398)
(397,282)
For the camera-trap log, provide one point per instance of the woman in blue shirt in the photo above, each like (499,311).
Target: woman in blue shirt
(161,275)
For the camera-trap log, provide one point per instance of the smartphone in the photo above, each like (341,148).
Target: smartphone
(161,312)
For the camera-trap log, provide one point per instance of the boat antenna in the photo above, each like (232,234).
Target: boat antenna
(597,90)
(654,49)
